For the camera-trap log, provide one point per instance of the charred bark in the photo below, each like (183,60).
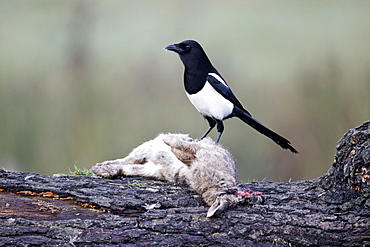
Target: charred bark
(332,210)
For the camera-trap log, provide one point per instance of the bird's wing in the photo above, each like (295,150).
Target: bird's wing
(222,88)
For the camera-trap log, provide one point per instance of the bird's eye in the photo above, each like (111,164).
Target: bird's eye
(185,47)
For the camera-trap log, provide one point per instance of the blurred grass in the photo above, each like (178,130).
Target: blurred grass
(88,81)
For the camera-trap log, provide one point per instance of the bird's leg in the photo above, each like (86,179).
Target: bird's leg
(212,124)
(220,129)
(206,133)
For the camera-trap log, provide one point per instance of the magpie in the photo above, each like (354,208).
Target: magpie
(209,93)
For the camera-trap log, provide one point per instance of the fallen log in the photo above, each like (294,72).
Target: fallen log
(332,210)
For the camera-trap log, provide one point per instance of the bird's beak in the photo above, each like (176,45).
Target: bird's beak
(175,47)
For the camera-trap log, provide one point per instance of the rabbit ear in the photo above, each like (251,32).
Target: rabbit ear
(220,205)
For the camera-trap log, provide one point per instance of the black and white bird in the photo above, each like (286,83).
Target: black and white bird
(210,94)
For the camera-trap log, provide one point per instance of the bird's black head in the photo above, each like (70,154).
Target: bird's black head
(184,47)
(191,54)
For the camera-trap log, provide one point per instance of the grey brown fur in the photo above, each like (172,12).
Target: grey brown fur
(207,167)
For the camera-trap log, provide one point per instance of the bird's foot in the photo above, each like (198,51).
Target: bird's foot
(197,140)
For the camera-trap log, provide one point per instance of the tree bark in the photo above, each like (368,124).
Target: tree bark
(332,210)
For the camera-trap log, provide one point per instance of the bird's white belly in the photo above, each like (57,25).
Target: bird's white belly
(210,103)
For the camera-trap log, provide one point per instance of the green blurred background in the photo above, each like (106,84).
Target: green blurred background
(89,80)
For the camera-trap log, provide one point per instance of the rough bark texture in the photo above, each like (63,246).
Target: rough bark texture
(333,210)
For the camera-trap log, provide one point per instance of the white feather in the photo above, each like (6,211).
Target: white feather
(211,103)
(218,78)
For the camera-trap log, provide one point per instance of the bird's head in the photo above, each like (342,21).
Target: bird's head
(191,53)
(184,47)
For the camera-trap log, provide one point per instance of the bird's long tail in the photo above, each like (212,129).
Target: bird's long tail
(248,119)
